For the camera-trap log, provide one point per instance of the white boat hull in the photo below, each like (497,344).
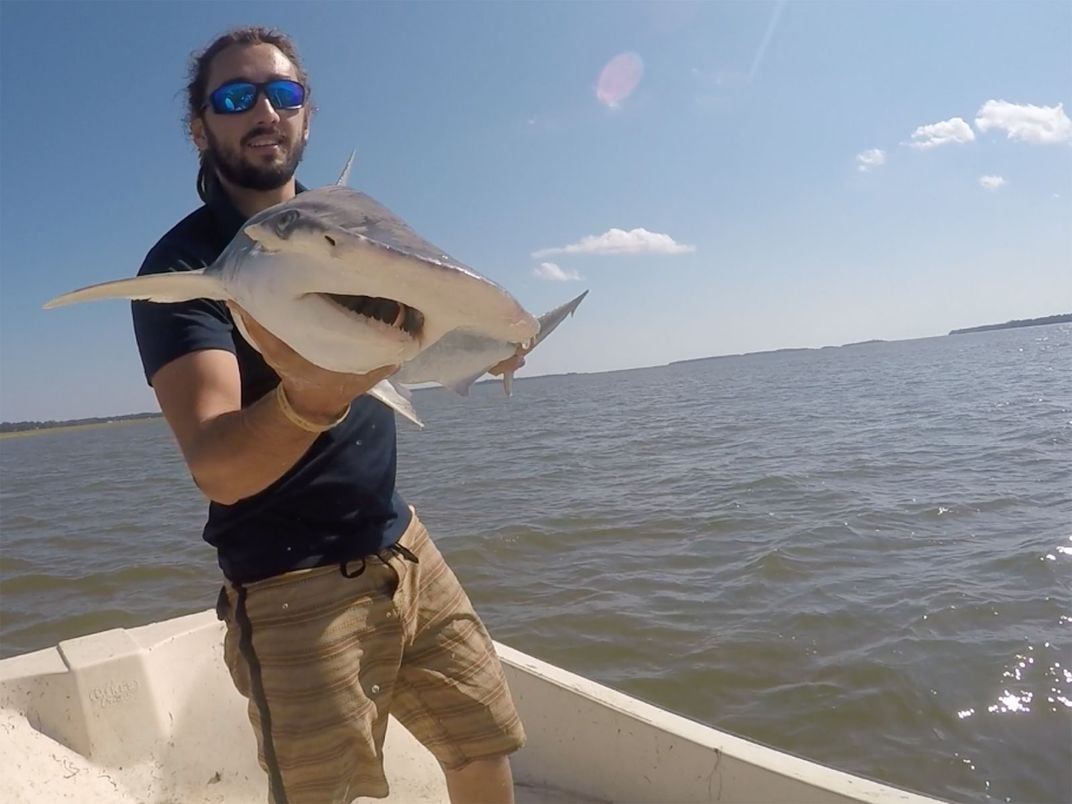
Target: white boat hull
(149,715)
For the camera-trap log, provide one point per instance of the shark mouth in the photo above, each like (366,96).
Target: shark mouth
(390,312)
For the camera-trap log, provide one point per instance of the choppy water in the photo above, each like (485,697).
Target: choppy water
(860,555)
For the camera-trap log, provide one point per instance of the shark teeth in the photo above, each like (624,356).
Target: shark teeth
(388,311)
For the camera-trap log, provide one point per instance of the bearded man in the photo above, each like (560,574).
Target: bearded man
(339,608)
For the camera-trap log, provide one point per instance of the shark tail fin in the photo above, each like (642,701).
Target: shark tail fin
(550,320)
(174,286)
(344,177)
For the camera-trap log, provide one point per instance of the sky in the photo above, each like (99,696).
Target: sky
(724,177)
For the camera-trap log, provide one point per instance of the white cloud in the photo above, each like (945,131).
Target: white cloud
(619,241)
(552,272)
(991,182)
(870,158)
(1038,125)
(946,132)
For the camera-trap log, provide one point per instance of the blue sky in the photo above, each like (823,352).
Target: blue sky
(723,177)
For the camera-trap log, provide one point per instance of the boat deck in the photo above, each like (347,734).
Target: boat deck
(38,769)
(149,715)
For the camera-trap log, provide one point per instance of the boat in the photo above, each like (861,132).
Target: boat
(149,715)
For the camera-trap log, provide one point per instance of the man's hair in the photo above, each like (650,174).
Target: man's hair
(201,64)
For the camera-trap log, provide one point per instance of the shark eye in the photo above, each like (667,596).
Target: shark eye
(330,239)
(284,223)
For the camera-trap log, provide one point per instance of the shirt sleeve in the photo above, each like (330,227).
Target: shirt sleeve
(165,332)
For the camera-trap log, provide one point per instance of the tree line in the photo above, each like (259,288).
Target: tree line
(19,427)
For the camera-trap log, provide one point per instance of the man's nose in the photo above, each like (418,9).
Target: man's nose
(263,111)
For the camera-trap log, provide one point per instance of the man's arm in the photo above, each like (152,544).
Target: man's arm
(236,452)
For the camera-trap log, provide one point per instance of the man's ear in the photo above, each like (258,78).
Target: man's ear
(197,132)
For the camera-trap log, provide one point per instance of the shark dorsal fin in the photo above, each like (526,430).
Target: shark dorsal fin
(344,177)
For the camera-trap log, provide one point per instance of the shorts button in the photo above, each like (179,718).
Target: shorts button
(375,689)
(390,614)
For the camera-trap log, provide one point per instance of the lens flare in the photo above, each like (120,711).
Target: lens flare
(618,78)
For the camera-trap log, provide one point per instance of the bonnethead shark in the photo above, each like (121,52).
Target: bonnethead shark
(351,287)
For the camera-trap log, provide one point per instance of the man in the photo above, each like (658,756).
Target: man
(339,608)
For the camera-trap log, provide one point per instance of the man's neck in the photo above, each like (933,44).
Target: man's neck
(250,202)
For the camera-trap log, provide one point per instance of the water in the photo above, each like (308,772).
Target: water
(860,555)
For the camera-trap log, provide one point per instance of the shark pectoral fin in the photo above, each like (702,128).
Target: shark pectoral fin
(462,386)
(402,391)
(396,398)
(174,286)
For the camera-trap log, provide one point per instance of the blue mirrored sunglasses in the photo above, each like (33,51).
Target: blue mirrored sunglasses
(236,97)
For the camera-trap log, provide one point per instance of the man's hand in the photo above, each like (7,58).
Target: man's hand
(512,363)
(314,393)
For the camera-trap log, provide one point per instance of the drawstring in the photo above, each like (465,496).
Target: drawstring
(405,552)
(384,556)
(348,574)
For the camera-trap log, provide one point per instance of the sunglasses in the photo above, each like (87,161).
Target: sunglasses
(236,97)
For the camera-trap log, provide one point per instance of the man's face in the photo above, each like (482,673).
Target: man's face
(258,149)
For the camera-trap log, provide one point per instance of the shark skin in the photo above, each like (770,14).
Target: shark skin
(460,358)
(351,287)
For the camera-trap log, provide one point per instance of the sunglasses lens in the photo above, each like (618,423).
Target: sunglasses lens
(285,94)
(234,98)
(241,96)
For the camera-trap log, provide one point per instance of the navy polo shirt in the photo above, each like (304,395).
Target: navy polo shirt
(338,502)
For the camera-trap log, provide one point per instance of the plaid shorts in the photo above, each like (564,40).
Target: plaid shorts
(324,655)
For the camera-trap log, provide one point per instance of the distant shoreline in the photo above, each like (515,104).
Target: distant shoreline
(19,429)
(14,429)
(1064,318)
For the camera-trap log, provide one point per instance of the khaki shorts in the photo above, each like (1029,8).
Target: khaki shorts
(324,658)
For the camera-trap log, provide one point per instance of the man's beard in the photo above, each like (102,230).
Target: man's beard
(236,169)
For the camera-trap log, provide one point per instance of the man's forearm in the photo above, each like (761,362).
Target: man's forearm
(240,453)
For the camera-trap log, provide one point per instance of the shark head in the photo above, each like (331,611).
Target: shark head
(337,275)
